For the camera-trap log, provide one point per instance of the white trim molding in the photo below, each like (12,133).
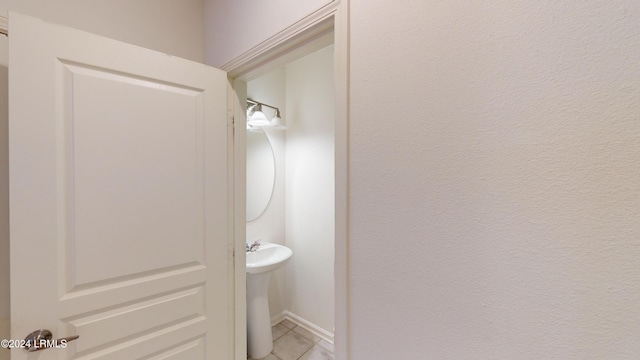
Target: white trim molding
(341,268)
(306,29)
(308,325)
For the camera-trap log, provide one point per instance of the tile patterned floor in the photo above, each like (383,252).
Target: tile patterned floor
(291,342)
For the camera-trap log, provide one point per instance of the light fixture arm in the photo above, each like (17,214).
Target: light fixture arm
(250,101)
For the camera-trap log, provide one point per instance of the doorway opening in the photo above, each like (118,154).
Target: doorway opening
(300,213)
(305,76)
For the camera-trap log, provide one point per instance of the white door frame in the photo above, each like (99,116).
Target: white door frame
(277,50)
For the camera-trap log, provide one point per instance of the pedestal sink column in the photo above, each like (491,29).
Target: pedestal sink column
(259,339)
(260,263)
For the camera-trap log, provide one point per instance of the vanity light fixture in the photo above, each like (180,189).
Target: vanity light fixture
(255,116)
(276,122)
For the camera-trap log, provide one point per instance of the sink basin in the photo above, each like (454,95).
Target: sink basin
(268,257)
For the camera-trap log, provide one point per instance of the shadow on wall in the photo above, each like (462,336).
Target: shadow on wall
(4,208)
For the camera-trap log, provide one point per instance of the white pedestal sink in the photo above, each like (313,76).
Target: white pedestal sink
(260,264)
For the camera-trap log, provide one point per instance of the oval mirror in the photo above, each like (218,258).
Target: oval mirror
(261,173)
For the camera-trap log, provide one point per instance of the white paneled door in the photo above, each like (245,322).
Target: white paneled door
(119,210)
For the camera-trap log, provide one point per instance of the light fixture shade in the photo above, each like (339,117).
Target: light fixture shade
(258,118)
(276,121)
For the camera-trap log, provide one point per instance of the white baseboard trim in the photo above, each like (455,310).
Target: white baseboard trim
(305,324)
(278,318)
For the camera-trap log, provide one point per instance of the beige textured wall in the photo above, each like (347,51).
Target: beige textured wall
(174,27)
(494,180)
